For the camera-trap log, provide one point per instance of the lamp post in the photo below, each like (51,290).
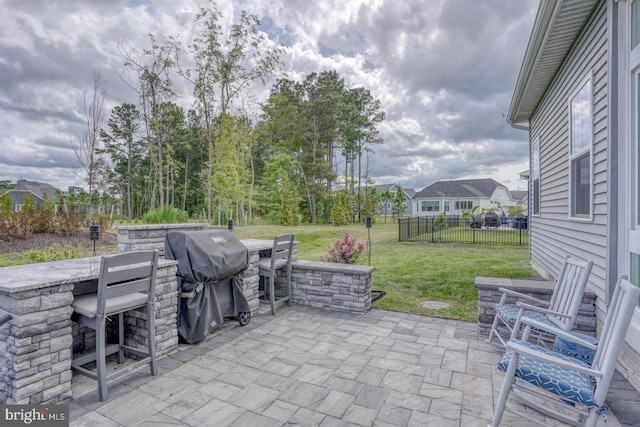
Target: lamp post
(94,234)
(367,223)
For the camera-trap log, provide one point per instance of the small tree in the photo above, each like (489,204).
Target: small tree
(397,201)
(517,210)
(29,204)
(340,211)
(369,204)
(440,221)
(5,206)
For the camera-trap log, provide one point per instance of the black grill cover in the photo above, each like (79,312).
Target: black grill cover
(210,264)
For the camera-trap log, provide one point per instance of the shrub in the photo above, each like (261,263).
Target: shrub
(165,216)
(345,250)
(20,226)
(340,210)
(53,254)
(69,224)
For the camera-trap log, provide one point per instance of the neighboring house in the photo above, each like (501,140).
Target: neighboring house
(40,190)
(578,96)
(456,197)
(385,208)
(521,198)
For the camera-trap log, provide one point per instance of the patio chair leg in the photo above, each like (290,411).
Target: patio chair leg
(120,337)
(272,294)
(151,339)
(505,390)
(101,360)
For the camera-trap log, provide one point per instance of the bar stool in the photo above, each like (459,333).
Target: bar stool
(280,259)
(126,282)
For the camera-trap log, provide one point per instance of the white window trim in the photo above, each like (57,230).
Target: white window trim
(588,218)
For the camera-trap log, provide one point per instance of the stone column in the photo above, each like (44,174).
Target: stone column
(35,347)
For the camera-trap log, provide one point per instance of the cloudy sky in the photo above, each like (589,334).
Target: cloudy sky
(444,71)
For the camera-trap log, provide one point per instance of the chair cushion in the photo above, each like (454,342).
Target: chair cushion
(509,314)
(265,264)
(566,383)
(86,305)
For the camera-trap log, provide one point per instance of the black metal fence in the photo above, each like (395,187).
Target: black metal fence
(455,229)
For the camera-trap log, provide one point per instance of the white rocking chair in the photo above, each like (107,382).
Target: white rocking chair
(576,389)
(560,312)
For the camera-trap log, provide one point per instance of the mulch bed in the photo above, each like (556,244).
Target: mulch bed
(42,241)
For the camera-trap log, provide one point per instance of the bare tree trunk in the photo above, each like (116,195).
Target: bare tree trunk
(86,150)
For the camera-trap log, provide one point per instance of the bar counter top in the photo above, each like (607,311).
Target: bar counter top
(27,277)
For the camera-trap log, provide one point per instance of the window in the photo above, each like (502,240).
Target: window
(465,205)
(580,136)
(535,178)
(446,206)
(433,206)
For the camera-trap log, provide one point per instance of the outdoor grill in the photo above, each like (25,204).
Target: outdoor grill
(210,265)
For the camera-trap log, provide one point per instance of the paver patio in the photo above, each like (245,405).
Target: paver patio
(312,367)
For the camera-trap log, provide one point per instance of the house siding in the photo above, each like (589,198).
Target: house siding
(553,233)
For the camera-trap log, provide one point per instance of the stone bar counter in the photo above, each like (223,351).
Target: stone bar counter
(36,345)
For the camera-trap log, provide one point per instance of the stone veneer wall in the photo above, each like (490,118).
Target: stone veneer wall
(489,295)
(331,286)
(149,237)
(35,347)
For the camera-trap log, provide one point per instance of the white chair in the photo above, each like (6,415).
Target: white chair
(280,259)
(560,386)
(126,282)
(561,311)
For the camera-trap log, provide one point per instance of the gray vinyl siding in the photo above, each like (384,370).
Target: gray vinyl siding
(553,234)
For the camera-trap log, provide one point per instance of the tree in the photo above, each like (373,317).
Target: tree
(124,148)
(5,206)
(363,113)
(225,64)
(386,197)
(517,210)
(398,202)
(369,203)
(226,178)
(340,210)
(152,68)
(87,149)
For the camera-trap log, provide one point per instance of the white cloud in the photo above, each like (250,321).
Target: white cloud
(443,71)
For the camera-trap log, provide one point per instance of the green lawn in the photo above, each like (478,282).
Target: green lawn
(408,272)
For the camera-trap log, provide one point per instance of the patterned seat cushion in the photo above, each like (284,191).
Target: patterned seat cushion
(566,383)
(509,314)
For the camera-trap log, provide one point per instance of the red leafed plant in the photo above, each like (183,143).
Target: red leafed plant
(345,250)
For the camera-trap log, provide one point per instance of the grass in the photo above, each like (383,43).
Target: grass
(409,273)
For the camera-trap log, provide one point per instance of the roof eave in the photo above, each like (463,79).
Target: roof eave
(538,66)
